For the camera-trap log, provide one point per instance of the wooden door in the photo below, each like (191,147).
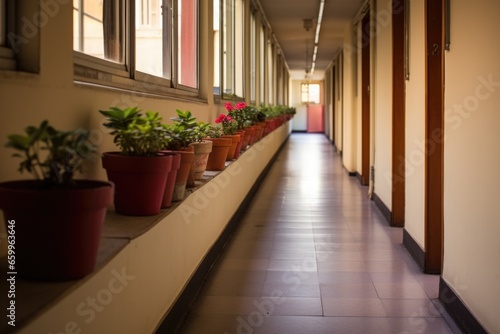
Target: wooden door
(398,113)
(434,136)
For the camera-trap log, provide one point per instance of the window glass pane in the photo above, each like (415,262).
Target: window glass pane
(314,96)
(97,28)
(152,43)
(228,47)
(187,27)
(304,93)
(217,47)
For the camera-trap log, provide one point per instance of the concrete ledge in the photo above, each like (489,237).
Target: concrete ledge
(132,291)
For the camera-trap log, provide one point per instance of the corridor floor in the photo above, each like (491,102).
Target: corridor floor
(314,255)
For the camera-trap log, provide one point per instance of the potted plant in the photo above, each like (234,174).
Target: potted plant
(140,170)
(190,133)
(57,219)
(230,129)
(237,112)
(220,148)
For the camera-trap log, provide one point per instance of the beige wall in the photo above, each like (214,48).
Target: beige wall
(27,99)
(349,108)
(382,105)
(156,266)
(472,146)
(415,126)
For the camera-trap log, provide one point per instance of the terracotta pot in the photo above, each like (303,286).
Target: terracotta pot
(235,139)
(257,132)
(217,158)
(139,181)
(186,163)
(249,133)
(240,143)
(269,126)
(172,174)
(57,231)
(201,152)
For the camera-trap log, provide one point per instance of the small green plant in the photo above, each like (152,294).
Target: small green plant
(214,131)
(185,130)
(135,134)
(50,155)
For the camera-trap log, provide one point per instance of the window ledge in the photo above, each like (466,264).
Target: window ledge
(158,251)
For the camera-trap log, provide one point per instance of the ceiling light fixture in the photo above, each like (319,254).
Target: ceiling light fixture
(316,34)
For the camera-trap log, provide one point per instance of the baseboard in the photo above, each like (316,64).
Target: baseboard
(179,310)
(382,207)
(414,249)
(458,311)
(299,131)
(354,174)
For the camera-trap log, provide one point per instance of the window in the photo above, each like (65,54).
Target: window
(97,29)
(217,39)
(262,64)
(270,72)
(7,58)
(310,93)
(3,24)
(231,54)
(158,47)
(253,56)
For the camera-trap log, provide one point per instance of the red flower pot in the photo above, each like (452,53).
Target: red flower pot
(139,181)
(172,174)
(57,231)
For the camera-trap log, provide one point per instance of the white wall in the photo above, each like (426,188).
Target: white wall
(415,126)
(472,160)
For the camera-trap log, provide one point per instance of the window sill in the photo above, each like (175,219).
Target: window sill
(158,251)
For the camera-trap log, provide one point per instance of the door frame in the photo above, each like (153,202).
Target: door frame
(398,112)
(434,136)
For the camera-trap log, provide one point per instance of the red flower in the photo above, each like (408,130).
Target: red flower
(228,106)
(240,105)
(220,119)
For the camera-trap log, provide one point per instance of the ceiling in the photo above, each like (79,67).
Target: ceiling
(286,18)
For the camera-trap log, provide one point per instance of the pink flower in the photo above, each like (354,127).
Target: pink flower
(229,119)
(228,106)
(220,119)
(240,105)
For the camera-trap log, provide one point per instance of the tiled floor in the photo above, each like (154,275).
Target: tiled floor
(314,255)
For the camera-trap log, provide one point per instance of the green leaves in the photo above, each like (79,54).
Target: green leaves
(186,130)
(135,134)
(52,155)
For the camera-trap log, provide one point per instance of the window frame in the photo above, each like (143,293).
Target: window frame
(7,55)
(90,70)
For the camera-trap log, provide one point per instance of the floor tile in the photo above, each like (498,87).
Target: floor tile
(313,254)
(353,307)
